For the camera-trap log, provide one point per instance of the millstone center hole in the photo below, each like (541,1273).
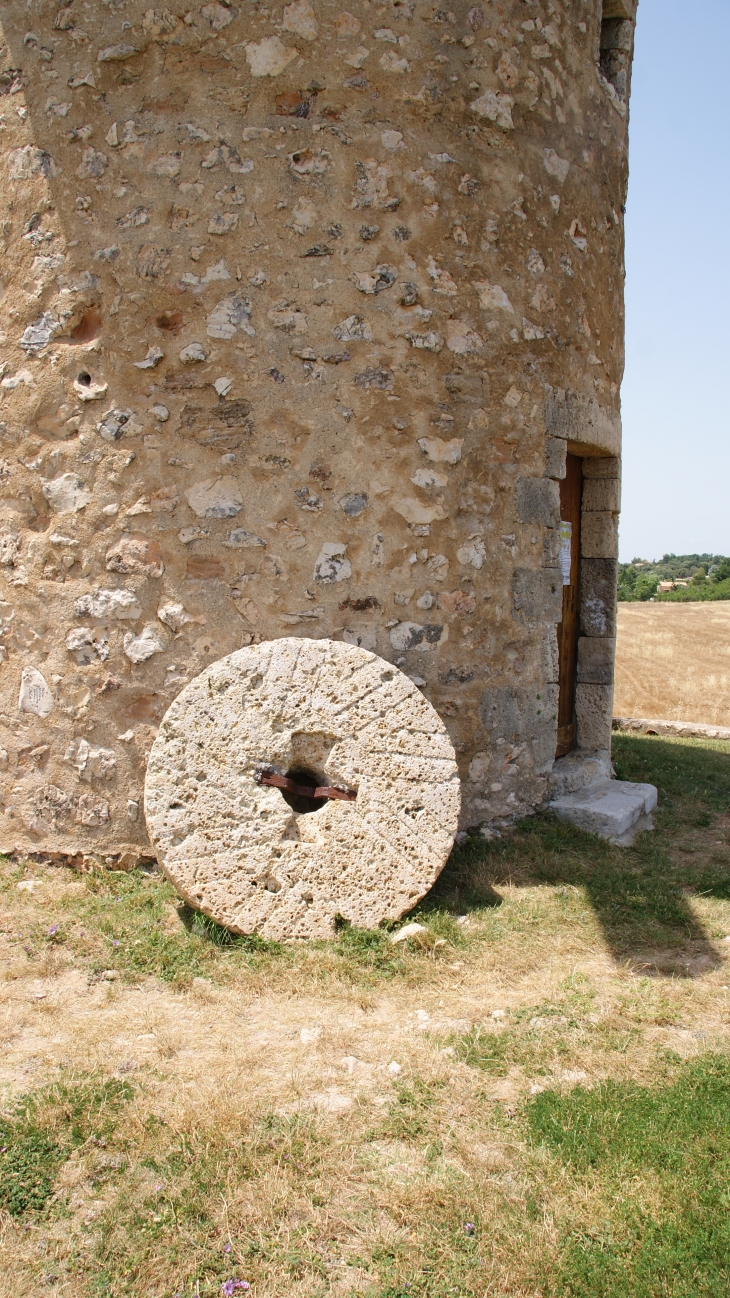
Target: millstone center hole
(304,775)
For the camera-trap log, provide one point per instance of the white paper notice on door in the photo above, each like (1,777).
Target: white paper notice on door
(566,538)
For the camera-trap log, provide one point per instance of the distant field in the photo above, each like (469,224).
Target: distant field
(673,662)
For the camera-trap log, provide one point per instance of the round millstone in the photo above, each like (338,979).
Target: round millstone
(319,712)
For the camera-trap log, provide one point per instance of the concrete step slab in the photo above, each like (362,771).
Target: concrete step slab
(614,809)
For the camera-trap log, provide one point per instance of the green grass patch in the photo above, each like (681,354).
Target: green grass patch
(179,1219)
(136,925)
(42,1129)
(661,1159)
(539,1039)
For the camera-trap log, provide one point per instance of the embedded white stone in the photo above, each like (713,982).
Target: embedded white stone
(415,512)
(90,391)
(299,18)
(497,108)
(117,53)
(473,552)
(441,452)
(175,615)
(139,648)
(121,604)
(353,329)
(193,353)
(227,317)
(153,358)
(268,57)
(12,381)
(116,423)
(463,341)
(215,498)
(492,297)
(66,494)
(240,539)
(35,694)
(91,763)
(429,478)
(555,165)
(38,335)
(237,851)
(331,563)
(218,17)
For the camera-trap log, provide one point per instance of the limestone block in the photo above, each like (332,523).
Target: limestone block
(555,457)
(593,715)
(601,466)
(544,729)
(332,712)
(611,809)
(579,769)
(537,500)
(599,536)
(598,597)
(512,714)
(602,495)
(583,420)
(595,660)
(537,595)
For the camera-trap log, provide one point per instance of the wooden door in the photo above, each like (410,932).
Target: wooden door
(571,491)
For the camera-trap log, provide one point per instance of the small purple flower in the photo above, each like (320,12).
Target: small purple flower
(229,1287)
(53,930)
(226,1248)
(115,943)
(469,1227)
(159,1187)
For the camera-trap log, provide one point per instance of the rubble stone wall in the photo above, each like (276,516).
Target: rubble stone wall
(301,309)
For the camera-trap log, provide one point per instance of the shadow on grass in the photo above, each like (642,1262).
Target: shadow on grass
(641,895)
(204,927)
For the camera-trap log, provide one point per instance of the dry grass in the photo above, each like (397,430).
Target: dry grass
(673,662)
(256,1127)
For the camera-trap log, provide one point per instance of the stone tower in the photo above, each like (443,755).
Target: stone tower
(312,325)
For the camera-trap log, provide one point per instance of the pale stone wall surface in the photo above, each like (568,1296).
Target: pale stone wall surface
(301,307)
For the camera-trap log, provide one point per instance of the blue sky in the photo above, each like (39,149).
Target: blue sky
(676,390)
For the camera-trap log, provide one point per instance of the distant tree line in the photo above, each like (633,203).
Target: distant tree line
(707,575)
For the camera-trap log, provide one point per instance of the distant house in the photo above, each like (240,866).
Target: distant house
(664,586)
